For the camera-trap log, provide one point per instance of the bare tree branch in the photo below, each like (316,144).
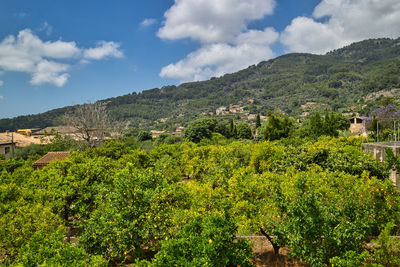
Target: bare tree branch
(91,122)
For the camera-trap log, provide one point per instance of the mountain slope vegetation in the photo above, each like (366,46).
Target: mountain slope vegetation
(342,80)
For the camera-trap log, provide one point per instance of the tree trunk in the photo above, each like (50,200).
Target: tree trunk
(274,245)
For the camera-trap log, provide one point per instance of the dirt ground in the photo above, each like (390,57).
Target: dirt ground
(265,256)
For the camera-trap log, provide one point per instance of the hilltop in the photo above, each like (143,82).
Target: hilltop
(347,80)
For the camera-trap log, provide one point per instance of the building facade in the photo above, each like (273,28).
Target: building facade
(358,125)
(7,149)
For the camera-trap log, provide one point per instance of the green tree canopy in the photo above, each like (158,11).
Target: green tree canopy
(200,128)
(277,127)
(243,131)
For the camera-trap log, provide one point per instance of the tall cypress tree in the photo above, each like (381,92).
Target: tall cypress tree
(258,121)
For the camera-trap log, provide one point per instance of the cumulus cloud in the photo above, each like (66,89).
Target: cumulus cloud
(222,29)
(148,22)
(210,21)
(103,50)
(338,23)
(26,52)
(220,58)
(50,72)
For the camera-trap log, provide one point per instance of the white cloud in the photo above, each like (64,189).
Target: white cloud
(26,52)
(103,50)
(217,59)
(222,29)
(343,22)
(148,22)
(210,21)
(1,83)
(49,72)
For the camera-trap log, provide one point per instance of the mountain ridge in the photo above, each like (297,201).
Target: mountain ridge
(339,80)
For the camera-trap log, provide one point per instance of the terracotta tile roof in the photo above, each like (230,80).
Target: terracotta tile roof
(49,157)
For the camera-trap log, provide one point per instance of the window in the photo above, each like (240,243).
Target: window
(7,150)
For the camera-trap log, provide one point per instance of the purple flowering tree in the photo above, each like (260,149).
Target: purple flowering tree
(385,116)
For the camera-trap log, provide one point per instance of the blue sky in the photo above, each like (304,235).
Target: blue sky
(58,53)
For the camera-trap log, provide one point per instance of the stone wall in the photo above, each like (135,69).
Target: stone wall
(378,150)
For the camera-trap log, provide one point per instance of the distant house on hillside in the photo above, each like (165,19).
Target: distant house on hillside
(179,131)
(251,117)
(94,136)
(49,157)
(62,130)
(221,111)
(357,125)
(207,112)
(235,108)
(155,134)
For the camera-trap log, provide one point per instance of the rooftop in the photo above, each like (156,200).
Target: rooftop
(51,156)
(22,140)
(58,129)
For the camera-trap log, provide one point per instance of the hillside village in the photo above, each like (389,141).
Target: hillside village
(25,137)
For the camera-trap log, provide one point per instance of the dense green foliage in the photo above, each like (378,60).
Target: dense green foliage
(200,129)
(338,80)
(53,251)
(330,125)
(243,131)
(276,127)
(143,136)
(183,204)
(386,252)
(208,241)
(203,128)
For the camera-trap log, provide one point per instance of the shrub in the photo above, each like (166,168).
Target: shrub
(243,131)
(52,251)
(143,136)
(208,241)
(200,128)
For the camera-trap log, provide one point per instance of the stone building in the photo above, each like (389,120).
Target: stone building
(357,125)
(378,150)
(235,108)
(6,148)
(155,133)
(221,111)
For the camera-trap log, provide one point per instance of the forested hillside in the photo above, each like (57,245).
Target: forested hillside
(343,80)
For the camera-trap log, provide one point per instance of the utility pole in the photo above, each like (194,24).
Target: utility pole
(12,144)
(377,132)
(394,130)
